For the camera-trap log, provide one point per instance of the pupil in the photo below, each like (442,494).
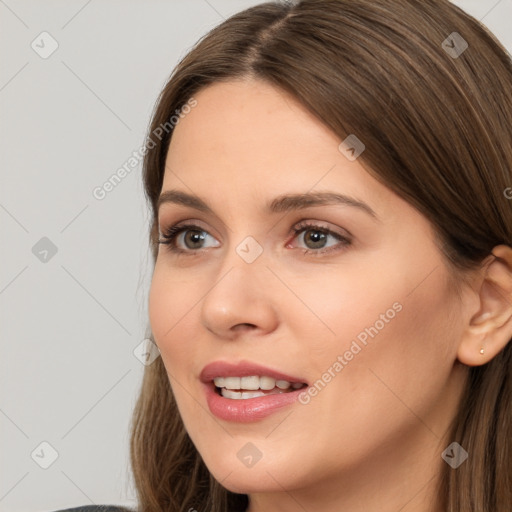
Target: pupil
(196,236)
(318,239)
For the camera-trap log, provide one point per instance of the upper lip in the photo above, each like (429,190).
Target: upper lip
(243,369)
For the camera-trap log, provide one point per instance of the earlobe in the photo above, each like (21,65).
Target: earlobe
(490,328)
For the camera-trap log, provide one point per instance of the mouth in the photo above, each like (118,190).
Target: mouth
(253,386)
(246,391)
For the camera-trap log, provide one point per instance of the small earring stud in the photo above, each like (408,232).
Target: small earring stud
(481,351)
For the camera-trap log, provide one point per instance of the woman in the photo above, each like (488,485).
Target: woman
(330,184)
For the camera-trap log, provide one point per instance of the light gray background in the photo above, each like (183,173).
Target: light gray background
(69,325)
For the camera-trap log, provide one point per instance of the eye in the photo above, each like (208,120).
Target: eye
(188,239)
(189,234)
(315,237)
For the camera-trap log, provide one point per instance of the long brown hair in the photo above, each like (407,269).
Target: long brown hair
(437,129)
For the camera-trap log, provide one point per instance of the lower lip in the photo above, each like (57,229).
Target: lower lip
(248,409)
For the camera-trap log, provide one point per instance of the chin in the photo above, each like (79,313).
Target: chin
(253,480)
(270,473)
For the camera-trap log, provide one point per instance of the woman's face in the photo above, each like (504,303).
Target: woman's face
(355,305)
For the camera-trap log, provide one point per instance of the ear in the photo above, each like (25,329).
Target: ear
(490,328)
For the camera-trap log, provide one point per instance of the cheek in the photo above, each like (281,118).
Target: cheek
(387,321)
(396,344)
(170,308)
(339,305)
(161,306)
(171,311)
(390,296)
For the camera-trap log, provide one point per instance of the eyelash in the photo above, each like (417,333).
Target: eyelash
(170,235)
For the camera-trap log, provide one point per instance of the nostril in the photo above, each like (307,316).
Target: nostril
(244,326)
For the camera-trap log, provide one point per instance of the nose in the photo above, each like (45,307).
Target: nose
(241,300)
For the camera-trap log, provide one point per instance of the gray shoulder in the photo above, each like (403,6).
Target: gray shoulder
(97,508)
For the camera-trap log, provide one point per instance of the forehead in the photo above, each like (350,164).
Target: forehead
(251,140)
(232,117)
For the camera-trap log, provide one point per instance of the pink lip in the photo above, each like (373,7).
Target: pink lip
(251,409)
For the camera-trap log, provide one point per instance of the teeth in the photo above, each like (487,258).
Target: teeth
(219,381)
(231,382)
(253,383)
(242,395)
(267,383)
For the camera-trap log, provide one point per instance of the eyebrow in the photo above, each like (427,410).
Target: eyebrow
(281,204)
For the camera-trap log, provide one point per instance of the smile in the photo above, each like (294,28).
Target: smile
(245,391)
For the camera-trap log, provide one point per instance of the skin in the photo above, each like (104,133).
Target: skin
(372,439)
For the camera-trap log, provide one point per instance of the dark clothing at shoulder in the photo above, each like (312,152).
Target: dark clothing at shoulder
(97,508)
